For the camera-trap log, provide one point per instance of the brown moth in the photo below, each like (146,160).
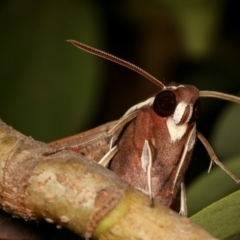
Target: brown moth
(151,145)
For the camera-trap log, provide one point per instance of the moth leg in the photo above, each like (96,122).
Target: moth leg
(210,166)
(113,140)
(214,158)
(108,156)
(183,201)
(146,160)
(187,147)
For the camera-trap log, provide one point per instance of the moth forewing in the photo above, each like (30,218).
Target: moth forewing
(97,143)
(94,143)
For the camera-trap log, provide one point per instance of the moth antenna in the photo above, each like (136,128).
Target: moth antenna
(220,95)
(118,61)
(214,158)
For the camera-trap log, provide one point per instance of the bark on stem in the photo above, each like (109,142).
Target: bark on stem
(72,191)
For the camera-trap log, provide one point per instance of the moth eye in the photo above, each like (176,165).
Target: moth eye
(164,103)
(196,111)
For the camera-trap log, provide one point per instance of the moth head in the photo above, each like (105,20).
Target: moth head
(180,102)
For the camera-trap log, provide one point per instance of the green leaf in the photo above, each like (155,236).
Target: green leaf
(221,219)
(209,188)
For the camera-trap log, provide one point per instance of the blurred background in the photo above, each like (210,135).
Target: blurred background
(49,89)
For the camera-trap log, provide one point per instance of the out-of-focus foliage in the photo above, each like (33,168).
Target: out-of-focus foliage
(46,84)
(225,133)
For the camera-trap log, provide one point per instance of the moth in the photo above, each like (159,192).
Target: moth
(151,145)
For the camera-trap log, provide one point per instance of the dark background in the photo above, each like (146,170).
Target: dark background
(50,89)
